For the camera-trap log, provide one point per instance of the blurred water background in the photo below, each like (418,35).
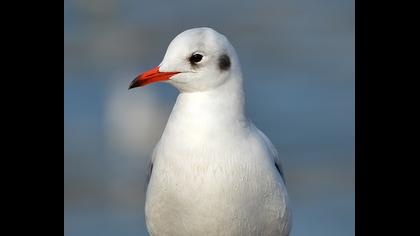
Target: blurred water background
(298,62)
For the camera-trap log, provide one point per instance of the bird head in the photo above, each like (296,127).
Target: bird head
(198,59)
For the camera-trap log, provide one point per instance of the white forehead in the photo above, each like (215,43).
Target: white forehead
(202,39)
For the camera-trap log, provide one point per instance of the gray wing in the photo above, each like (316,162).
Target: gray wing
(277,163)
(149,173)
(274,152)
(150,168)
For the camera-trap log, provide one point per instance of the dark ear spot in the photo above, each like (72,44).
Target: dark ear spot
(224,62)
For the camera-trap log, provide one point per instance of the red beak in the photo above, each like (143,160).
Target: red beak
(151,76)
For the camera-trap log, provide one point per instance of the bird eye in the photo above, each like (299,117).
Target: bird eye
(195,58)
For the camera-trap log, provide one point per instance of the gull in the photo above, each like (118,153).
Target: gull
(213,172)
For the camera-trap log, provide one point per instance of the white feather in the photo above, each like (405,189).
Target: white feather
(214,172)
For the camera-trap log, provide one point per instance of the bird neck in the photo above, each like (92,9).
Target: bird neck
(221,107)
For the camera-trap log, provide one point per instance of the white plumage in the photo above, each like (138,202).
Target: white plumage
(213,172)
